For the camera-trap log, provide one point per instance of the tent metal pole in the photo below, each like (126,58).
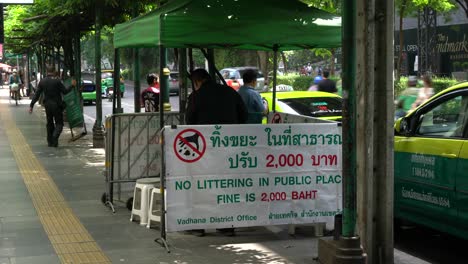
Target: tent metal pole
(136,80)
(162,64)
(118,94)
(98,132)
(136,70)
(182,84)
(275,67)
(349,119)
(211,63)
(164,78)
(162,90)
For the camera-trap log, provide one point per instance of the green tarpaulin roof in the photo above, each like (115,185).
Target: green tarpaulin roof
(243,24)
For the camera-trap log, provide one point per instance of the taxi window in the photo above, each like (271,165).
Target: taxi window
(106,75)
(89,88)
(228,74)
(446,119)
(315,106)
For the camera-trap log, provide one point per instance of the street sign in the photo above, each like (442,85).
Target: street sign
(73,108)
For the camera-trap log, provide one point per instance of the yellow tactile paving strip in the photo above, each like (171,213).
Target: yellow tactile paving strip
(71,241)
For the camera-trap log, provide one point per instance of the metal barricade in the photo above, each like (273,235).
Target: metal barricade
(132,151)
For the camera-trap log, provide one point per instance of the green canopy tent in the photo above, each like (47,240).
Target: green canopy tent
(242,24)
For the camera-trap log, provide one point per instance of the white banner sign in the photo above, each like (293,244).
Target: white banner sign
(252,175)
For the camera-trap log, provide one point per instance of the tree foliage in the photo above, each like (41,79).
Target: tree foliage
(54,24)
(406,8)
(332,6)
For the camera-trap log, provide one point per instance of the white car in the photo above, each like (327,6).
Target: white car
(233,77)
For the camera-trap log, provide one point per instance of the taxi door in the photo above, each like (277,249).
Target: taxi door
(462,190)
(426,160)
(462,181)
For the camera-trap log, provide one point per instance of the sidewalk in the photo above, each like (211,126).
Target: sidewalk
(30,224)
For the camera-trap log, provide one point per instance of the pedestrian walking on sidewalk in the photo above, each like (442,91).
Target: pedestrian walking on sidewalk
(14,82)
(53,90)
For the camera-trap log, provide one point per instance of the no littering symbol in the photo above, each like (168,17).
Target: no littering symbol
(276,119)
(189,145)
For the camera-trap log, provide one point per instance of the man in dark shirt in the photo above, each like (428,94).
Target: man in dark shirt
(213,103)
(327,85)
(53,90)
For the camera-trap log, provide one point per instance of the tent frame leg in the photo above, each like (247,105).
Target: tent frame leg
(163,242)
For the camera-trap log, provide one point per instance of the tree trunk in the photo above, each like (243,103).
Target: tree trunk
(285,63)
(176,59)
(190,54)
(400,52)
(68,61)
(464,6)
(263,56)
(332,63)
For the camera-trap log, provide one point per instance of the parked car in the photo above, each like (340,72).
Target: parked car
(431,163)
(107,83)
(322,105)
(233,77)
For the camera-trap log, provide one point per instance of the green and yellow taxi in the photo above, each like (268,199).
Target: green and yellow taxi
(431,163)
(88,92)
(316,104)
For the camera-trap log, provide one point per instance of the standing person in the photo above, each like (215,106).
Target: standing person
(150,96)
(14,81)
(53,90)
(22,85)
(212,103)
(425,92)
(309,69)
(327,85)
(252,99)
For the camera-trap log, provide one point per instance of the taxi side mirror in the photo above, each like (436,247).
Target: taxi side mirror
(402,126)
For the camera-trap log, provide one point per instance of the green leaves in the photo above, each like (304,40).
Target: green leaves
(332,6)
(411,6)
(438,5)
(54,21)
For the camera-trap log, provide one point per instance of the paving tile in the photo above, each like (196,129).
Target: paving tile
(26,237)
(14,223)
(44,259)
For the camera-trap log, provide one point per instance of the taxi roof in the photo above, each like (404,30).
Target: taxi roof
(299,94)
(455,87)
(461,85)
